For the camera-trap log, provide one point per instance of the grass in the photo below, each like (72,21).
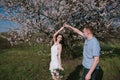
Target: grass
(111,68)
(32,63)
(24,64)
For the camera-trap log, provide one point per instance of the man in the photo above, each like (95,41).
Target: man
(91,52)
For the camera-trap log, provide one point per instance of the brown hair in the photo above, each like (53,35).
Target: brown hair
(89,27)
(62,41)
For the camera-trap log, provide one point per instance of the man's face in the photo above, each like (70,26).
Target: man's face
(86,32)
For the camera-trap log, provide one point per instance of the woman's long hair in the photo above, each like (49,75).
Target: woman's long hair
(62,41)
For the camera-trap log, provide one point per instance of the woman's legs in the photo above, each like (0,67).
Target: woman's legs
(53,77)
(53,74)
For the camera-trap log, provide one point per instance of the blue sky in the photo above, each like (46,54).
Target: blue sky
(5,25)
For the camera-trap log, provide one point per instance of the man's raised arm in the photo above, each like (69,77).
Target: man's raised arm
(74,29)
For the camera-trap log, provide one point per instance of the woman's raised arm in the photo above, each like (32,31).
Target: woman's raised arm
(54,36)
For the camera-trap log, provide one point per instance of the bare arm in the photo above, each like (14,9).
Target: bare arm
(59,55)
(95,62)
(54,36)
(74,29)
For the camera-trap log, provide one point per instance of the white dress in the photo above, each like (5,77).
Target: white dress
(54,63)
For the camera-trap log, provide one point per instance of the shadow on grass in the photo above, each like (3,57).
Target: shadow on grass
(99,74)
(75,75)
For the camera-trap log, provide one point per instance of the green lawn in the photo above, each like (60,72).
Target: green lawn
(32,63)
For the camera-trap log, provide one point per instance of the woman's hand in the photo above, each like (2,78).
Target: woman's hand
(62,28)
(65,25)
(62,68)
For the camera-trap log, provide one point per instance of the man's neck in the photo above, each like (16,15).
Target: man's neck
(90,36)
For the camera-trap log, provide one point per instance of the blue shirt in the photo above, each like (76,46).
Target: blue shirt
(91,49)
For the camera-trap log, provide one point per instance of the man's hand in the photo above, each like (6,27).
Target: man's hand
(88,77)
(65,25)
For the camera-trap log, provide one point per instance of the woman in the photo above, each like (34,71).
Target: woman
(56,50)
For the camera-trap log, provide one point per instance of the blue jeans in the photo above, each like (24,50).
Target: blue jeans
(93,76)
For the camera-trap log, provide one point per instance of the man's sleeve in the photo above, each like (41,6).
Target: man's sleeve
(96,48)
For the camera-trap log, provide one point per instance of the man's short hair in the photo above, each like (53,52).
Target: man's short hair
(89,27)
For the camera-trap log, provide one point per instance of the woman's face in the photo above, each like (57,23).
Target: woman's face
(59,37)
